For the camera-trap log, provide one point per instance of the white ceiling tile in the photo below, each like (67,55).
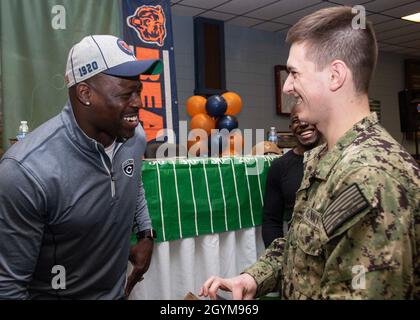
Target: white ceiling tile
(409,51)
(384,44)
(243,6)
(389,51)
(352,2)
(244,21)
(180,10)
(397,32)
(399,39)
(270,26)
(393,48)
(382,5)
(391,25)
(378,18)
(290,11)
(404,10)
(389,47)
(407,44)
(281,8)
(381,45)
(217,15)
(204,4)
(414,44)
(379,37)
(292,18)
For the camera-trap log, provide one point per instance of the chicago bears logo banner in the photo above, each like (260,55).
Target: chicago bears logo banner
(148,28)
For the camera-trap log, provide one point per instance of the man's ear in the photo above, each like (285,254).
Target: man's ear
(84,93)
(338,74)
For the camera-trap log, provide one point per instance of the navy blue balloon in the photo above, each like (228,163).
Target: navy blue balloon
(216,106)
(216,143)
(227,122)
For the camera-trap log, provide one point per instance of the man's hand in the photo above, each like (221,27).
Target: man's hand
(140,257)
(243,287)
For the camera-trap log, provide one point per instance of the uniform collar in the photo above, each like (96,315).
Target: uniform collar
(319,162)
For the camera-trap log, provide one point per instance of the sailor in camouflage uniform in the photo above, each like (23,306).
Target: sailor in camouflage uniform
(356,218)
(355,231)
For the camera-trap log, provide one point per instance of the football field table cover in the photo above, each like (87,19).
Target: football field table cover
(197,196)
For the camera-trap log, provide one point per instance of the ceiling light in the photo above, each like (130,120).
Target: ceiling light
(412,17)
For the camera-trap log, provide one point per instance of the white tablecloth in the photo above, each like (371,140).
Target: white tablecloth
(181,266)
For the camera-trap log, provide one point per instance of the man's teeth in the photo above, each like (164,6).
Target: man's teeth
(299,100)
(131,119)
(306,133)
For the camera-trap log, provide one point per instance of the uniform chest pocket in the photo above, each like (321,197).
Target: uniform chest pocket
(310,234)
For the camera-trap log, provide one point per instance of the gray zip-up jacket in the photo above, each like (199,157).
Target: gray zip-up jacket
(63,203)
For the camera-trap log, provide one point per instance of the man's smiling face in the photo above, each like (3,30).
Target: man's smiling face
(306,84)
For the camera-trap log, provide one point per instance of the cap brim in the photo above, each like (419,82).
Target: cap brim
(135,68)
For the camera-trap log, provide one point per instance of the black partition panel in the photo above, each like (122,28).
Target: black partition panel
(209,52)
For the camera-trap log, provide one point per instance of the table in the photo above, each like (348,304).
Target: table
(207,214)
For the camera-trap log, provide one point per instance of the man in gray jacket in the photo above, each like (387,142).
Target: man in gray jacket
(71,191)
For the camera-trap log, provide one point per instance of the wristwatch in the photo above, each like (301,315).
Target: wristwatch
(148,233)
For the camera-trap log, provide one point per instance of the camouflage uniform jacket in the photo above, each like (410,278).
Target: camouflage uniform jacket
(355,231)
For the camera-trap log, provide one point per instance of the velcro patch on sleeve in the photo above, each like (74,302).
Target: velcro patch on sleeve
(347,204)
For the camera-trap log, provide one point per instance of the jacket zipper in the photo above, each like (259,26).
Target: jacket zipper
(112,169)
(110,172)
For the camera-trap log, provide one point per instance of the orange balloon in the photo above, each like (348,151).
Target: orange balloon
(203,121)
(234,103)
(196,105)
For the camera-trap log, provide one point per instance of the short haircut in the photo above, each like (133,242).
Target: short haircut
(329,35)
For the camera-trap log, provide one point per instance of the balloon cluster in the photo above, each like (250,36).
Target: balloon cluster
(216,112)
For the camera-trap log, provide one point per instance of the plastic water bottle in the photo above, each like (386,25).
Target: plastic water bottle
(272,135)
(23,130)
